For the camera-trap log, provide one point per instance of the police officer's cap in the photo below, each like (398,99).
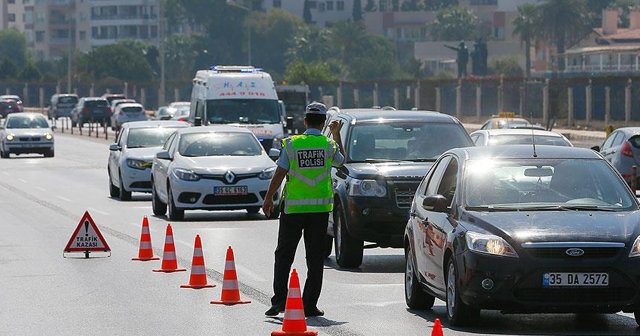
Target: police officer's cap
(316,108)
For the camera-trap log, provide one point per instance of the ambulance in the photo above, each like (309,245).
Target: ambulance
(241,96)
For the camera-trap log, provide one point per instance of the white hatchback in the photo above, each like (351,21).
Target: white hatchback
(130,158)
(211,168)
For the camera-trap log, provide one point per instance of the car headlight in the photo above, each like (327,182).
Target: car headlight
(9,137)
(635,248)
(267,174)
(48,136)
(186,175)
(138,164)
(489,244)
(369,188)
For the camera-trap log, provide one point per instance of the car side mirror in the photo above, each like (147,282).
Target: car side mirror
(114,147)
(163,155)
(596,148)
(436,203)
(290,123)
(274,153)
(197,121)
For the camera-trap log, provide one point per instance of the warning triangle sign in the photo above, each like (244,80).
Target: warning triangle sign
(87,237)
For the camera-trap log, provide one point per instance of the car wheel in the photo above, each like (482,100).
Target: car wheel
(328,246)
(175,214)
(124,194)
(414,296)
(158,207)
(5,155)
(458,312)
(349,250)
(253,210)
(113,190)
(50,153)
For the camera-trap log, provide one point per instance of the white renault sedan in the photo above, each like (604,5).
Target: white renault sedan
(130,158)
(211,168)
(24,133)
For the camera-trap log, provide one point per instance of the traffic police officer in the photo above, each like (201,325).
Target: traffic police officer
(306,162)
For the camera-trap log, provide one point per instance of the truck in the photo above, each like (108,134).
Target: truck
(242,96)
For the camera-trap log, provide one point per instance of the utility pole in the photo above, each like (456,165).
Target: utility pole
(72,37)
(161,34)
(235,4)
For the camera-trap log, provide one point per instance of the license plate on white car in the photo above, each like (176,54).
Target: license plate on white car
(564,279)
(230,191)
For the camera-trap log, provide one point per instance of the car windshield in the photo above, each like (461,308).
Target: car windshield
(413,141)
(27,122)
(68,100)
(545,184)
(243,111)
(96,103)
(148,137)
(181,110)
(526,139)
(218,144)
(513,123)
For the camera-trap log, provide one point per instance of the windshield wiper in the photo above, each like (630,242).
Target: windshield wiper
(383,160)
(586,207)
(490,208)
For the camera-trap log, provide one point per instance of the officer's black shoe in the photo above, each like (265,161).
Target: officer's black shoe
(274,311)
(312,312)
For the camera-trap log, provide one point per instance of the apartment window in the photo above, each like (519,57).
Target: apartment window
(484,2)
(313,5)
(12,1)
(277,3)
(40,36)
(154,31)
(340,5)
(321,6)
(12,17)
(329,5)
(382,4)
(83,35)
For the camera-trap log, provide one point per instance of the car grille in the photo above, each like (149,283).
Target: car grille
(35,138)
(231,199)
(141,184)
(575,295)
(404,192)
(560,252)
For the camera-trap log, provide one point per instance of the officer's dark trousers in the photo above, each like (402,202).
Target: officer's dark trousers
(292,227)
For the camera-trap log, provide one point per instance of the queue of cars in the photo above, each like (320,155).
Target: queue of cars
(25,133)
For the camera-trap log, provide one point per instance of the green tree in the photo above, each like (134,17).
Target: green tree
(299,72)
(119,61)
(374,58)
(370,6)
(506,65)
(524,25)
(30,73)
(346,37)
(312,44)
(432,5)
(13,46)
(356,13)
(411,5)
(306,12)
(562,22)
(273,37)
(454,23)
(181,53)
(8,69)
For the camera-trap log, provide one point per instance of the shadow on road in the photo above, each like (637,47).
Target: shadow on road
(217,216)
(311,322)
(372,264)
(495,323)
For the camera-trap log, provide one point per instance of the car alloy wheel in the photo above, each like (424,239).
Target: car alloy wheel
(113,190)
(415,297)
(159,208)
(124,194)
(174,212)
(458,312)
(349,250)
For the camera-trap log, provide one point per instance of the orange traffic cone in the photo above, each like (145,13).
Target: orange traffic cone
(437,328)
(294,322)
(145,253)
(198,277)
(169,262)
(230,292)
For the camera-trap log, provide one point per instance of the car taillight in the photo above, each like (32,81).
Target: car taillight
(85,110)
(183,119)
(626,149)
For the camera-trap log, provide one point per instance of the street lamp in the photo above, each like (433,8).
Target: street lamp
(234,4)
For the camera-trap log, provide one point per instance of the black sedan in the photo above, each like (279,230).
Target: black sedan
(523,230)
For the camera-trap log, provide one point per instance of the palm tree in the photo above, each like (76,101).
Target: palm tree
(562,22)
(524,26)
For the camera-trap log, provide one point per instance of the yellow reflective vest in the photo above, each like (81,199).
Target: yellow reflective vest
(308,187)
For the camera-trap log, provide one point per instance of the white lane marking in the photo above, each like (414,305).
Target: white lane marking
(22,180)
(64,199)
(41,188)
(98,211)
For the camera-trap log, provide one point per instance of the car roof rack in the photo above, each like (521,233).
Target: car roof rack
(235,68)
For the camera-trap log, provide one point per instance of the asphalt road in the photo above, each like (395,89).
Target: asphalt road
(43,293)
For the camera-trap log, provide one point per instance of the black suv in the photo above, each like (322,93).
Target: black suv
(387,154)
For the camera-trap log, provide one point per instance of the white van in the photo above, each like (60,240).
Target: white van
(241,96)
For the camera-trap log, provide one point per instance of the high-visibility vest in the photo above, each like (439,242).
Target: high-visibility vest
(308,187)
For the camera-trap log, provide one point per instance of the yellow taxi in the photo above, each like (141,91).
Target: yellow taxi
(506,120)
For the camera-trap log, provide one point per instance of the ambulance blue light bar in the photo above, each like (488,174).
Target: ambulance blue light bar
(235,68)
